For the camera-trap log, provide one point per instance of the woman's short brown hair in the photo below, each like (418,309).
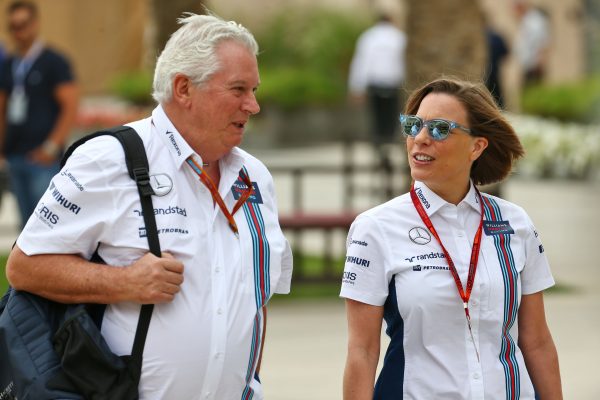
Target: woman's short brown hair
(485,120)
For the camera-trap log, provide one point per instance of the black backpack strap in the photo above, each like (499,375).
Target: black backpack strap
(138,168)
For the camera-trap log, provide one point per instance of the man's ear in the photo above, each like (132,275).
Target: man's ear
(479,145)
(181,90)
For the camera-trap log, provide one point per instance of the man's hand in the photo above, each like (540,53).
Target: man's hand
(153,280)
(41,156)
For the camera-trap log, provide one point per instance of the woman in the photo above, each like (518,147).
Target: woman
(457,275)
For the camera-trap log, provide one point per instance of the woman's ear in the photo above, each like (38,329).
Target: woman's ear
(181,89)
(479,145)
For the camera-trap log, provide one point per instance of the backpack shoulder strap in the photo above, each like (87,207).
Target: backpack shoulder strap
(138,168)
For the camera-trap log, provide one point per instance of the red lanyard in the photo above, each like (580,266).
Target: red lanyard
(205,179)
(465,295)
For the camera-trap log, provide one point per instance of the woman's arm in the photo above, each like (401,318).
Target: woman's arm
(364,338)
(538,347)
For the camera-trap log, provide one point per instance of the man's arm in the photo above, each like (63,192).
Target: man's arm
(66,94)
(538,348)
(364,339)
(69,278)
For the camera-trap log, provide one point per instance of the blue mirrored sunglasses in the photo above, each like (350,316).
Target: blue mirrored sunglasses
(438,128)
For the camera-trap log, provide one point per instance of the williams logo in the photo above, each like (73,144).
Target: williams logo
(492,228)
(239,187)
(419,235)
(161,184)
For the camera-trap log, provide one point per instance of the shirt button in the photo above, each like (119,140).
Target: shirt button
(474,303)
(219,311)
(218,355)
(460,234)
(217,270)
(207,395)
(476,375)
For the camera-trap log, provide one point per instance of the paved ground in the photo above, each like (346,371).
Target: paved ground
(306,342)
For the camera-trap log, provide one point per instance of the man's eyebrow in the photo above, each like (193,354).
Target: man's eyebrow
(241,82)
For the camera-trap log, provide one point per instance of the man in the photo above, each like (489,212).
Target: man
(38,104)
(377,72)
(218,270)
(533,41)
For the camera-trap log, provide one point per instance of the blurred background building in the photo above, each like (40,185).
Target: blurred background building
(109,38)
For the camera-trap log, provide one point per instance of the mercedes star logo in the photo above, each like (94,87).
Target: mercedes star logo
(419,235)
(161,183)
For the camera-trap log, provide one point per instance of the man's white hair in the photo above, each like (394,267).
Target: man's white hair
(191,51)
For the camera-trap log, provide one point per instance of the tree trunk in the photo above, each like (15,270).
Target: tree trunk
(444,37)
(165,14)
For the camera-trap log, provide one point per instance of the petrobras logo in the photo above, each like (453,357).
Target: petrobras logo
(419,268)
(142,232)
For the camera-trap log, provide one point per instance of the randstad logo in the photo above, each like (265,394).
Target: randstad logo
(165,211)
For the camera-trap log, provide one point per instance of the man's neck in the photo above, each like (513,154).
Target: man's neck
(24,48)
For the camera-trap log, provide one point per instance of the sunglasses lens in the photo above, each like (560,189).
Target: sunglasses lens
(411,126)
(439,130)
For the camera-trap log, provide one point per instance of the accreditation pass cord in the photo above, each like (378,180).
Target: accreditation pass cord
(465,295)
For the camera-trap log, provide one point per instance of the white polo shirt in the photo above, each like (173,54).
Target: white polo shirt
(378,59)
(204,344)
(393,261)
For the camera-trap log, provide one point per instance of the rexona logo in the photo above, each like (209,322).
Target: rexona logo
(60,199)
(173,142)
(422,197)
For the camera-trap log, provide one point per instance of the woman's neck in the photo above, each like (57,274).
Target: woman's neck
(453,195)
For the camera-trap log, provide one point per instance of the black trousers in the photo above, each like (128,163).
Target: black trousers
(384,103)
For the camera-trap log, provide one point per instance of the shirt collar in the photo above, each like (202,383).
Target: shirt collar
(180,150)
(433,203)
(171,138)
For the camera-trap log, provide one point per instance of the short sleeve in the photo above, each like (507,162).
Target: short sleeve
(63,73)
(536,275)
(285,280)
(366,277)
(76,211)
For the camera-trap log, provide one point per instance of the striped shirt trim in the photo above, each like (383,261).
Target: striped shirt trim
(262,285)
(511,304)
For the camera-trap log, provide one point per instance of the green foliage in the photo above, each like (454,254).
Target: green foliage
(3,281)
(305,56)
(134,87)
(578,101)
